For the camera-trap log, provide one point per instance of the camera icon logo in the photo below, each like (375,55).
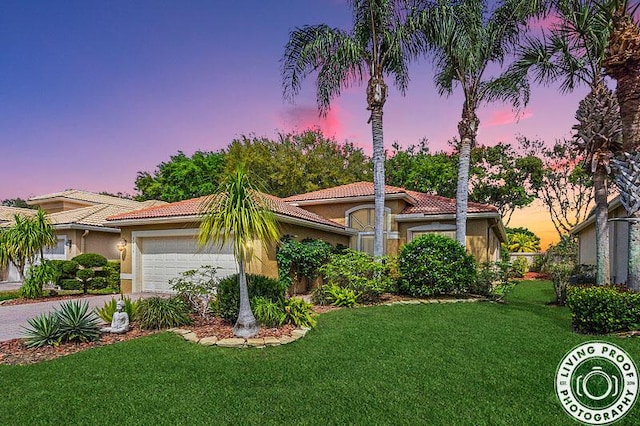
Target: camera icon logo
(597,383)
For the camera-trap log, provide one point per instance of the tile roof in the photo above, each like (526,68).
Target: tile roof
(428,204)
(7,213)
(89,216)
(421,203)
(358,189)
(192,207)
(92,198)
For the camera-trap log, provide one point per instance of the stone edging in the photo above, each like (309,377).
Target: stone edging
(239,342)
(428,301)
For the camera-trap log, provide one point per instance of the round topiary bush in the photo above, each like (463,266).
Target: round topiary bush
(432,265)
(90,260)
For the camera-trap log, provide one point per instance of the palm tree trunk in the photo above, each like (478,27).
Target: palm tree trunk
(603,274)
(628,92)
(378,180)
(467,127)
(246,325)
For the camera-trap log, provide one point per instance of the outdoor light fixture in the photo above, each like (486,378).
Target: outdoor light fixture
(122,245)
(68,243)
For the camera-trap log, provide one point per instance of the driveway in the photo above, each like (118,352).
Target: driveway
(14,318)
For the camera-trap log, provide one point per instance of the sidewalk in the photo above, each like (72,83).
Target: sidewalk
(9,286)
(14,318)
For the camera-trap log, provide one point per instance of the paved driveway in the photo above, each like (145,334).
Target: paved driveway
(13,318)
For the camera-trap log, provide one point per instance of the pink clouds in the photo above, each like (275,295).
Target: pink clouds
(545,23)
(506,116)
(300,118)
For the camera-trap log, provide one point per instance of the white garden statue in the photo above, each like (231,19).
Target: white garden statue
(119,321)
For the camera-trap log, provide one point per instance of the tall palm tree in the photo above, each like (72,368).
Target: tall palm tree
(465,38)
(45,234)
(379,45)
(240,214)
(21,243)
(622,63)
(572,54)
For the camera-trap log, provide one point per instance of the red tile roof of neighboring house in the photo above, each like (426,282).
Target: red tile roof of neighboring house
(358,189)
(193,207)
(434,204)
(421,203)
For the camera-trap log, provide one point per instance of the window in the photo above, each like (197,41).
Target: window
(363,219)
(444,229)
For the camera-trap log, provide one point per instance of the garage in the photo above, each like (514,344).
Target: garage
(162,258)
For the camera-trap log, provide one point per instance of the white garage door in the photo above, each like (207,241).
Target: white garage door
(164,258)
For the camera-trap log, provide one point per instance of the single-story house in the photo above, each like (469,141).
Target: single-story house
(79,220)
(161,239)
(585,232)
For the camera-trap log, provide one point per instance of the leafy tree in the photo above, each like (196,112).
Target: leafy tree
(566,189)
(379,45)
(182,177)
(16,202)
(500,176)
(522,240)
(465,38)
(296,163)
(240,214)
(572,54)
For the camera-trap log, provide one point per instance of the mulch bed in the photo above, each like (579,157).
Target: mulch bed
(23,301)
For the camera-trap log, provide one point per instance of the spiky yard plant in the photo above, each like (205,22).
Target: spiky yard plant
(43,330)
(77,322)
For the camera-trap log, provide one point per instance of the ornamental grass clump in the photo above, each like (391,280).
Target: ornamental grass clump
(156,313)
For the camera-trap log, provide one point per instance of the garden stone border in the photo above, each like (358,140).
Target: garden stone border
(428,301)
(239,342)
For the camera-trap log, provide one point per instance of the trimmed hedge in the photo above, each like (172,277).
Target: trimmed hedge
(433,264)
(601,310)
(90,260)
(228,300)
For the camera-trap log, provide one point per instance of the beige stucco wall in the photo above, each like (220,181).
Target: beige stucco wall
(60,206)
(103,243)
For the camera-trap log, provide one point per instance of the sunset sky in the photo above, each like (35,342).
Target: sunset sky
(93,91)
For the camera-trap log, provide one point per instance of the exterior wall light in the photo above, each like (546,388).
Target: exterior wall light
(122,245)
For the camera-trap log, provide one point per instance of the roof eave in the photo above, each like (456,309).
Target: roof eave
(63,226)
(357,199)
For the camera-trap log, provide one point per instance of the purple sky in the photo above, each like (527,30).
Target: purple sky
(93,91)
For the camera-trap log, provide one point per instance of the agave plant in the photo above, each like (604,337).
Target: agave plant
(43,330)
(77,322)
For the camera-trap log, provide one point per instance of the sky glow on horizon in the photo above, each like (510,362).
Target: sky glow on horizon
(93,92)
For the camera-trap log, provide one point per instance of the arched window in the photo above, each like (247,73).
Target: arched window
(363,219)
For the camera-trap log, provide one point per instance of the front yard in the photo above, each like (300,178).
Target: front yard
(437,364)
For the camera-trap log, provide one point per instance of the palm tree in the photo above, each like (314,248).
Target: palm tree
(622,63)
(573,54)
(20,243)
(240,214)
(379,45)
(45,234)
(465,39)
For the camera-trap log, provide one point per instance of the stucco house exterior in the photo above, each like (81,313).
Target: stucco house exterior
(585,232)
(161,239)
(79,220)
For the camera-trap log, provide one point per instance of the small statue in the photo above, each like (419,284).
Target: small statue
(119,321)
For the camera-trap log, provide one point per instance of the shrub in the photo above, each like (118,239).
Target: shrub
(43,330)
(69,268)
(267,312)
(583,275)
(109,308)
(198,287)
(156,313)
(77,322)
(538,262)
(433,264)
(360,273)
(90,260)
(601,310)
(519,266)
(37,277)
(228,298)
(332,294)
(85,275)
(301,259)
(299,312)
(70,284)
(111,274)
(560,274)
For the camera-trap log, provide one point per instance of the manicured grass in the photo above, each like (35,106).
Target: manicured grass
(7,295)
(437,364)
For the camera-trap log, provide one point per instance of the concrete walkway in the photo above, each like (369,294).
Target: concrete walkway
(9,286)
(14,318)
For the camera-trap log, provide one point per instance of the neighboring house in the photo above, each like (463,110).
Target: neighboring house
(161,239)
(79,220)
(585,231)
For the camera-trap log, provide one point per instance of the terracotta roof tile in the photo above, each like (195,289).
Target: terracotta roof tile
(434,204)
(193,207)
(358,189)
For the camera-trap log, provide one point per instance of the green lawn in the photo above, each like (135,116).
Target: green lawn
(444,364)
(8,295)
